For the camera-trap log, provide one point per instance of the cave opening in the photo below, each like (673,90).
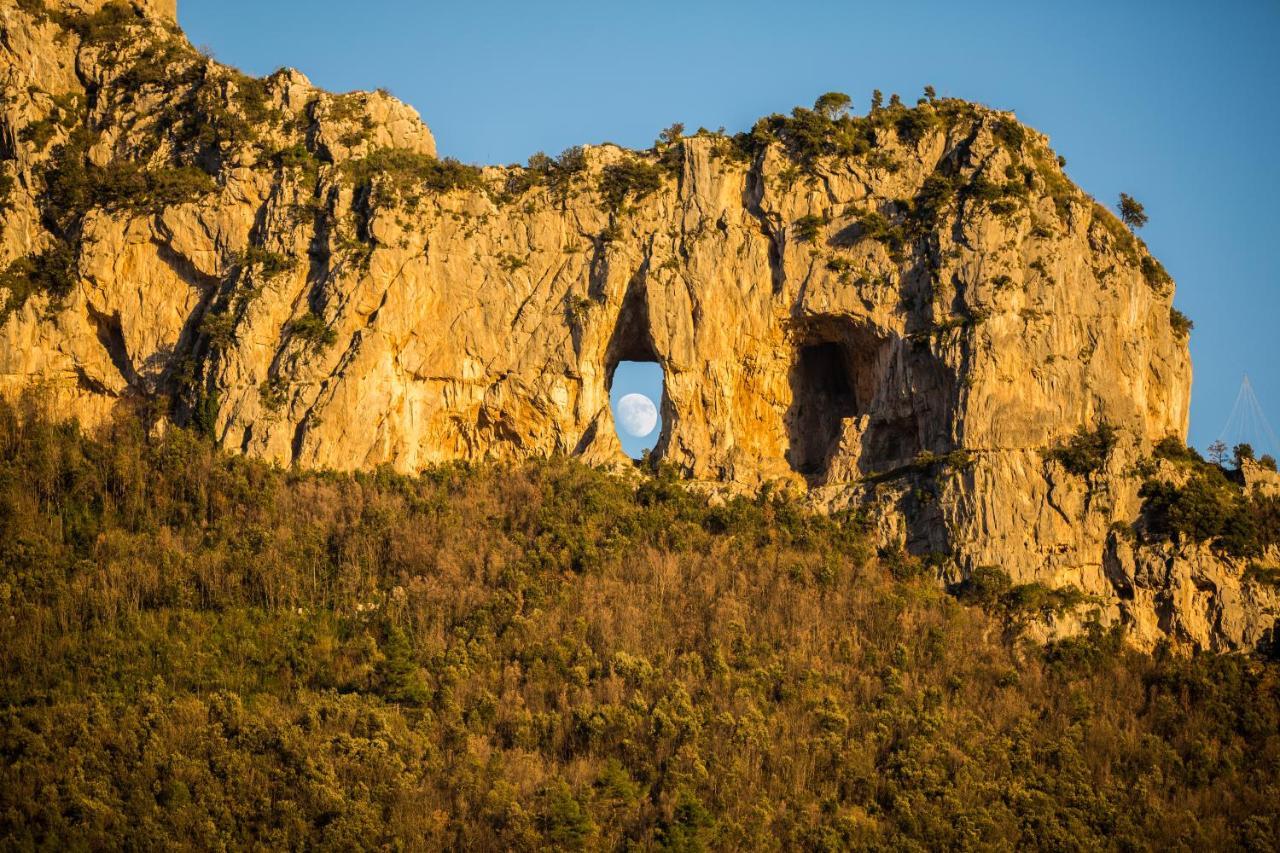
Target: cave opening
(636,382)
(835,374)
(823,397)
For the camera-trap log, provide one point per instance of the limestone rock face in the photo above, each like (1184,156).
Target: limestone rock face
(908,318)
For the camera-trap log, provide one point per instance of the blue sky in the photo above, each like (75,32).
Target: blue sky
(1172,102)
(638,377)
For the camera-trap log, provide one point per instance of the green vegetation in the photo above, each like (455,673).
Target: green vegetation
(1210,506)
(833,105)
(914,125)
(1056,184)
(65,112)
(1116,230)
(274,393)
(1132,212)
(409,174)
(577,308)
(1010,133)
(316,335)
(941,192)
(1155,274)
(1002,197)
(556,174)
(74,185)
(937,195)
(218,653)
(1181,323)
(828,130)
(992,589)
(1087,451)
(874,225)
(297,156)
(1172,449)
(808,228)
(52,272)
(264,262)
(926,462)
(631,177)
(108,25)
(1263,575)
(219,329)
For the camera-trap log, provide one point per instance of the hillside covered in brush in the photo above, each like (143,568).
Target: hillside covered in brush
(204,650)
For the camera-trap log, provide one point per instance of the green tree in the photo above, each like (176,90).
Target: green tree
(1241,452)
(833,105)
(563,820)
(930,93)
(671,135)
(1131,211)
(877,100)
(398,675)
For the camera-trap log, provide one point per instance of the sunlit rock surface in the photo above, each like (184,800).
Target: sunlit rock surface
(325,303)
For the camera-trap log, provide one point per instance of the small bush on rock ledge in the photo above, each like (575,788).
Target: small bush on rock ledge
(1087,451)
(313,331)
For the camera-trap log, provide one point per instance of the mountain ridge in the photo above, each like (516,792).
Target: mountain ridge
(913,312)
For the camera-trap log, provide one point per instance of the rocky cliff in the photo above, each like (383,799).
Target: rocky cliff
(914,310)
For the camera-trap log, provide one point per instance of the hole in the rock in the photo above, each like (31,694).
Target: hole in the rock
(823,396)
(635,394)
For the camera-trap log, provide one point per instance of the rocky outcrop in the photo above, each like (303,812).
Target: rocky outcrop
(907,311)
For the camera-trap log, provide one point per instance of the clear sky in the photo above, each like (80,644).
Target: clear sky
(1173,102)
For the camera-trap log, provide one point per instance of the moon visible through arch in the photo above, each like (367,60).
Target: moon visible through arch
(637,415)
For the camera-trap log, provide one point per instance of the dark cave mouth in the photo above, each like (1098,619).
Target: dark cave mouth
(836,372)
(823,397)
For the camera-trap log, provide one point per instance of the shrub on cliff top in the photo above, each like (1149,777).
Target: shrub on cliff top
(1154,273)
(1172,449)
(1209,506)
(409,173)
(630,177)
(1181,323)
(1010,133)
(558,174)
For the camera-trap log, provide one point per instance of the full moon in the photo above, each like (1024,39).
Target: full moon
(637,415)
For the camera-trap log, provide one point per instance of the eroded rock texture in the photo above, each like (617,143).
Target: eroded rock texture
(906,310)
